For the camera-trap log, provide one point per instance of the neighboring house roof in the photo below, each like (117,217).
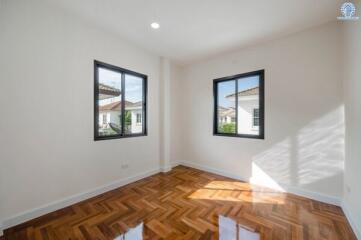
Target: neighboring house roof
(116,106)
(106,91)
(223,112)
(137,104)
(220,108)
(247,92)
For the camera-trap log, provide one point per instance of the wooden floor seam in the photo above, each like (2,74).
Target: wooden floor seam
(185,203)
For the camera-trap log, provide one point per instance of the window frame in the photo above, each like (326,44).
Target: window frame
(261,99)
(122,71)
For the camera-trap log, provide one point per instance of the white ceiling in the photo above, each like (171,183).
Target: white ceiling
(191,30)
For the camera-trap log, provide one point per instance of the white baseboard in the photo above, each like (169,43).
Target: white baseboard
(294,190)
(212,170)
(166,168)
(51,207)
(174,164)
(321,197)
(356,229)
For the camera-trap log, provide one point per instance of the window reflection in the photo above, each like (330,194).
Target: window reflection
(229,229)
(135,233)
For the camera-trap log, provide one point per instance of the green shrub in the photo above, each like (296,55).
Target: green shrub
(227,128)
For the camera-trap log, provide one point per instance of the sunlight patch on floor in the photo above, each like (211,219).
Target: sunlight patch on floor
(237,192)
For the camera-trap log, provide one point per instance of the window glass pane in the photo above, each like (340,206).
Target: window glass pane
(133,104)
(248,105)
(109,102)
(226,106)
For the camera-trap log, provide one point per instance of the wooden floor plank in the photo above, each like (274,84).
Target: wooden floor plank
(185,203)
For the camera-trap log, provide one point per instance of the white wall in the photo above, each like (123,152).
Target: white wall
(303,150)
(175,114)
(46,101)
(164,117)
(352,95)
(170,89)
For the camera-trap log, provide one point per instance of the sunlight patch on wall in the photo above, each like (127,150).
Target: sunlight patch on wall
(271,167)
(321,148)
(259,177)
(314,153)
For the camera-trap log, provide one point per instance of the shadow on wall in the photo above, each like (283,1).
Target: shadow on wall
(312,155)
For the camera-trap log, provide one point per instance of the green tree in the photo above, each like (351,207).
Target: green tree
(227,128)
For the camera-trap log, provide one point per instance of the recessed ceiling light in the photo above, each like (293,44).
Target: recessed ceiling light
(155,25)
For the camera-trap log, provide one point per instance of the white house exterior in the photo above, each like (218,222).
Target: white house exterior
(137,117)
(226,115)
(248,110)
(110,113)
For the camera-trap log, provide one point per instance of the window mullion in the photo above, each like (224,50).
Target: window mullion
(123,104)
(215,116)
(144,106)
(236,107)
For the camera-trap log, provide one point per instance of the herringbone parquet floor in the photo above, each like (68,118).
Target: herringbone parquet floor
(185,204)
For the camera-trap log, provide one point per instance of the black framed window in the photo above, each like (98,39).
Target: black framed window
(120,97)
(239,105)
